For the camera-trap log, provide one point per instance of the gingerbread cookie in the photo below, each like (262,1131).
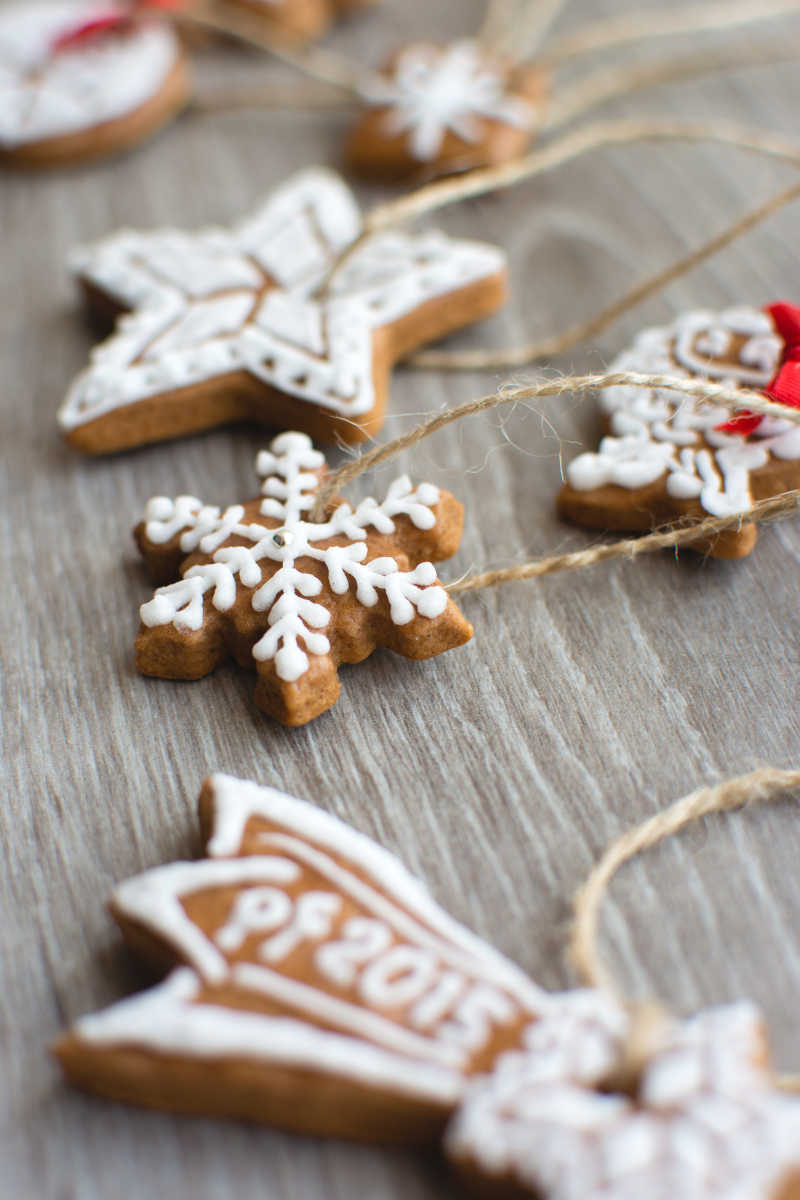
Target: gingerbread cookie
(705,1121)
(437,109)
(287,20)
(266,584)
(228,326)
(81,79)
(320,988)
(670,457)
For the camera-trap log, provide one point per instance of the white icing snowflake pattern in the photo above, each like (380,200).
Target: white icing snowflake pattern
(653,432)
(707,1121)
(288,595)
(435,89)
(216,302)
(45,94)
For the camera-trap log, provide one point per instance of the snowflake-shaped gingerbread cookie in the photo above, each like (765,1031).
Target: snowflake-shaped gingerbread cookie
(293,597)
(227,326)
(65,98)
(319,986)
(669,456)
(435,109)
(705,1123)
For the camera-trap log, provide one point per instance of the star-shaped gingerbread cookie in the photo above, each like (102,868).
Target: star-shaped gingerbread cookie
(266,584)
(705,1120)
(319,987)
(225,326)
(67,98)
(435,109)
(671,457)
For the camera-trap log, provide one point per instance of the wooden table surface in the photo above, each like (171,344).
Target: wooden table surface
(499,771)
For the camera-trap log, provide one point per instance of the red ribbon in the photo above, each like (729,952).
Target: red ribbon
(785,386)
(106,23)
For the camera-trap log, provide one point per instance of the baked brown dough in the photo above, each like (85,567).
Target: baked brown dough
(671,458)
(265,584)
(319,987)
(438,109)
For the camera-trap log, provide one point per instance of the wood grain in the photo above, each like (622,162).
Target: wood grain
(498,771)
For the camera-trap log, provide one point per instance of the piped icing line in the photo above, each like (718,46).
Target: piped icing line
(235,802)
(46,93)
(289,593)
(168,1020)
(706,1122)
(432,90)
(206,304)
(653,433)
(374,982)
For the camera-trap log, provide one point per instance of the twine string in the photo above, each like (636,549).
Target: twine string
(774,508)
(433,196)
(594,136)
(317,64)
(552,347)
(499,15)
(525,36)
(601,87)
(762,786)
(716,393)
(613,33)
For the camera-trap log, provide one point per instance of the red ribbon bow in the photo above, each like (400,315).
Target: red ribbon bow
(111,22)
(785,387)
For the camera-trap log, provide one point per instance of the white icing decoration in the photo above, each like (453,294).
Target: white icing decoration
(44,94)
(363,938)
(409,955)
(653,432)
(287,594)
(237,800)
(707,1121)
(165,1020)
(434,89)
(256,910)
(206,304)
(312,920)
(399,977)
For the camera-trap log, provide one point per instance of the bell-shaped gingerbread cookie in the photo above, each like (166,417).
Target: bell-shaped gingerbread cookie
(436,109)
(670,457)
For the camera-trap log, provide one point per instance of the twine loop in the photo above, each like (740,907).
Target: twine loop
(763,786)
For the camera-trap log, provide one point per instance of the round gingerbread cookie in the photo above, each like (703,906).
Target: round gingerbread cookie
(83,80)
(438,109)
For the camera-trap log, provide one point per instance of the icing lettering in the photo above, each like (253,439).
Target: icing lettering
(255,911)
(311,920)
(363,938)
